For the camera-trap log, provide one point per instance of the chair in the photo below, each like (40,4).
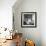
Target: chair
(29,43)
(18,39)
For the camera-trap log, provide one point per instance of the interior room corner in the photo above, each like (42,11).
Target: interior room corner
(22,22)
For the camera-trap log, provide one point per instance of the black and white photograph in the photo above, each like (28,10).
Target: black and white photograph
(28,19)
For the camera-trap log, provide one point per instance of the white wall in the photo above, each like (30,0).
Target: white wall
(37,34)
(28,6)
(6,13)
(43,22)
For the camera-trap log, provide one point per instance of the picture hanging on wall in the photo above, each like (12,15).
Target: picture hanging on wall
(29,19)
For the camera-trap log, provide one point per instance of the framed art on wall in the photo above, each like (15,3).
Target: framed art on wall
(29,19)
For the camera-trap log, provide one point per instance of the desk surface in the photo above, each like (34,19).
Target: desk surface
(9,43)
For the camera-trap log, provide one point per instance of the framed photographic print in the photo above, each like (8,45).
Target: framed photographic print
(29,19)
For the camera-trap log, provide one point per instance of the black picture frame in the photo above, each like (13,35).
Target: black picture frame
(28,19)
